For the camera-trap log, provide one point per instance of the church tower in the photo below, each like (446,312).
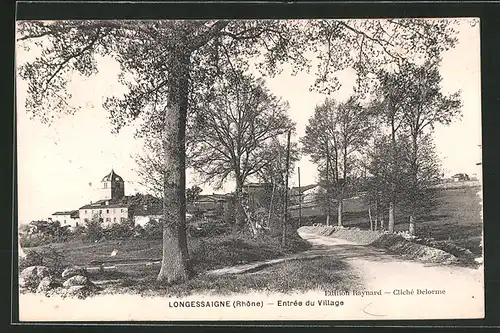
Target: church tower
(113,187)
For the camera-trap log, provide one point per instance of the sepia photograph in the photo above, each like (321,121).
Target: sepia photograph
(257,169)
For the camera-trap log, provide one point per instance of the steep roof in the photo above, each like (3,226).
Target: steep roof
(304,188)
(111,205)
(112,176)
(211,198)
(63,213)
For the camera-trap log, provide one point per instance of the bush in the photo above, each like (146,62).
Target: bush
(208,228)
(46,256)
(118,231)
(35,240)
(46,232)
(153,229)
(94,230)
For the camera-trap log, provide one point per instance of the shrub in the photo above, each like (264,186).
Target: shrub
(118,231)
(45,232)
(46,256)
(93,230)
(153,229)
(208,229)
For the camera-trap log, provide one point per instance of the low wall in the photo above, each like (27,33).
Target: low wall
(355,235)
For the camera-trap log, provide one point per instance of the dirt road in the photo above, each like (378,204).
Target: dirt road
(381,270)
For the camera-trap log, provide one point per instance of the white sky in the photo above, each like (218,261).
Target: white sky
(60,166)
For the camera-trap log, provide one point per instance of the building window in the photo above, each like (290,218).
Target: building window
(85,211)
(114,219)
(122,210)
(86,220)
(105,185)
(122,219)
(107,211)
(108,219)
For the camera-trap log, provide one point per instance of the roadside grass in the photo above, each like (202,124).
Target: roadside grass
(325,273)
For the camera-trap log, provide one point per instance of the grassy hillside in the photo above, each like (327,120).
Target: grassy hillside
(457,218)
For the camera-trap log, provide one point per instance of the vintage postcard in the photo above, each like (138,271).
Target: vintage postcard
(322,169)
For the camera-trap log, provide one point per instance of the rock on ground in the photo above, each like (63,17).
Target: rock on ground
(82,291)
(30,277)
(46,284)
(77,280)
(73,271)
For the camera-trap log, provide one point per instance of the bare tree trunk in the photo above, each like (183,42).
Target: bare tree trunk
(271,205)
(285,212)
(370,216)
(390,226)
(327,184)
(239,213)
(300,200)
(382,226)
(414,176)
(412,226)
(175,261)
(339,212)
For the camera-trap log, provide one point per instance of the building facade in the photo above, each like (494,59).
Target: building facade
(106,212)
(112,208)
(66,218)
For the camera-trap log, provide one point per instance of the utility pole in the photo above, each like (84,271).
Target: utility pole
(285,213)
(327,184)
(300,200)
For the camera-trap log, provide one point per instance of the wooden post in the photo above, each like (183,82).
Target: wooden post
(285,213)
(327,184)
(300,200)
(271,205)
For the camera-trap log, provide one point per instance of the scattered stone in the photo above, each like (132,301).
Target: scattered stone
(46,284)
(31,276)
(82,291)
(73,271)
(77,280)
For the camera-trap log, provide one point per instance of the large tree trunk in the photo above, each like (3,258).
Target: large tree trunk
(175,266)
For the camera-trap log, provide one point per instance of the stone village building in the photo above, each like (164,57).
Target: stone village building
(112,207)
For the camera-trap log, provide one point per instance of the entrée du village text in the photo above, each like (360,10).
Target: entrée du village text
(293,303)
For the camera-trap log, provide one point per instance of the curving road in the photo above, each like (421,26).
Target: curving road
(396,276)
(379,269)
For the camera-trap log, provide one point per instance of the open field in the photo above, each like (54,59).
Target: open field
(205,252)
